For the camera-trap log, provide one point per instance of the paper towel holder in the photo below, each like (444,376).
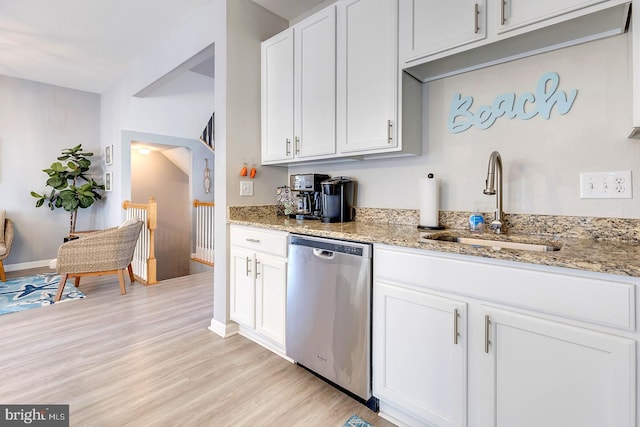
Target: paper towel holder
(431,227)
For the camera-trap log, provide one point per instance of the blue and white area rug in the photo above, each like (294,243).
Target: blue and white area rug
(356,421)
(23,293)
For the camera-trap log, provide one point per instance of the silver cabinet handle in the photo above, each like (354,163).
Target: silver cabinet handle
(247,269)
(486,333)
(288,141)
(455,326)
(389,131)
(252,240)
(476,19)
(297,145)
(503,17)
(257,269)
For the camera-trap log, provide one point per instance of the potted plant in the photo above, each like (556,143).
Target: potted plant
(72,187)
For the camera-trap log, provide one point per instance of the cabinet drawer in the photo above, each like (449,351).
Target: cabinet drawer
(600,299)
(258,239)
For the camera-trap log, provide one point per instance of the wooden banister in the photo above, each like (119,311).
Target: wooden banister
(148,237)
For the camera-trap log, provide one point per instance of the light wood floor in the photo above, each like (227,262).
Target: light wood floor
(148,359)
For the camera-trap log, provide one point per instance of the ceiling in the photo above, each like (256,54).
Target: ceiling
(87,44)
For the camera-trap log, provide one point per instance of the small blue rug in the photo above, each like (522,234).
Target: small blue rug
(23,293)
(356,421)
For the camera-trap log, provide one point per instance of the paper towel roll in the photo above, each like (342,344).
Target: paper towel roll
(429,195)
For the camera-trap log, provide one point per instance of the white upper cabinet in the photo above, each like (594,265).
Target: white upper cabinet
(367,83)
(635,43)
(514,14)
(298,91)
(277,97)
(486,30)
(315,85)
(331,87)
(430,26)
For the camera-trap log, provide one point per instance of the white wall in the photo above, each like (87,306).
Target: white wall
(247,25)
(235,28)
(180,109)
(542,158)
(37,121)
(154,175)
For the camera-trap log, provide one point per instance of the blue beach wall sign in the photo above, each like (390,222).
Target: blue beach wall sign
(524,107)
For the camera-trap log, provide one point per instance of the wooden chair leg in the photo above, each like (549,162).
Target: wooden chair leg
(63,281)
(131,276)
(3,277)
(77,281)
(123,290)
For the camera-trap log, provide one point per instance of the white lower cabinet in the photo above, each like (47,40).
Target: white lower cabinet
(452,346)
(258,291)
(542,373)
(271,297)
(420,353)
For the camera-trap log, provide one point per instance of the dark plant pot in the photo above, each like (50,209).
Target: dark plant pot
(68,238)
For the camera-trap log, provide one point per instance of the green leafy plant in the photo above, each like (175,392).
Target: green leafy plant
(72,189)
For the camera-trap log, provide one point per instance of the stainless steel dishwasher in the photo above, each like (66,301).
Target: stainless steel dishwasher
(329,311)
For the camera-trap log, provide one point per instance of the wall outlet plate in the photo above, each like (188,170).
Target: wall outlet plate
(246,188)
(606,185)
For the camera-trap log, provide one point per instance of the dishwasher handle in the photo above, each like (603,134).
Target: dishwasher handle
(323,253)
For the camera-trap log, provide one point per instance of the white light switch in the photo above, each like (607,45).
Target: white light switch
(246,188)
(606,185)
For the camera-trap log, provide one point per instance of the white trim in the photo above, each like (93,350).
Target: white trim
(27,265)
(223,330)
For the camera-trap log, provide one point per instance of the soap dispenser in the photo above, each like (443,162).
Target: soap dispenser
(476,221)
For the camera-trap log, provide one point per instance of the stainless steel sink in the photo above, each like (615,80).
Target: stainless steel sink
(495,244)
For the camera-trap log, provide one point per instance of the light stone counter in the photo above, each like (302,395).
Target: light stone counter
(592,244)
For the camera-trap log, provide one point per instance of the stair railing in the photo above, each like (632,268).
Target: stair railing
(144,260)
(204,232)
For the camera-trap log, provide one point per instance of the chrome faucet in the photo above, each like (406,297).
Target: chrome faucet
(491,188)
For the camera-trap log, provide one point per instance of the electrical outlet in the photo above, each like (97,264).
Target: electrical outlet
(606,185)
(246,188)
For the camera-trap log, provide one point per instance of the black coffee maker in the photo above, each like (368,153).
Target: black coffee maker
(308,196)
(337,199)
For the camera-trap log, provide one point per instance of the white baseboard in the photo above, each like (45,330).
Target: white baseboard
(27,265)
(223,330)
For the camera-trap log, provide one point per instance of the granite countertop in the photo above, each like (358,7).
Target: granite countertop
(609,253)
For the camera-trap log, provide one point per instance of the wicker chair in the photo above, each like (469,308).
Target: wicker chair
(102,252)
(5,247)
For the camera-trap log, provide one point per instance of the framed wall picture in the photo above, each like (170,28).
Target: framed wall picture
(108,181)
(108,154)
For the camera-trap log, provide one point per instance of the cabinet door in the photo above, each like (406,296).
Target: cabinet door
(367,75)
(431,26)
(242,298)
(518,13)
(277,97)
(543,373)
(271,297)
(315,85)
(419,358)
